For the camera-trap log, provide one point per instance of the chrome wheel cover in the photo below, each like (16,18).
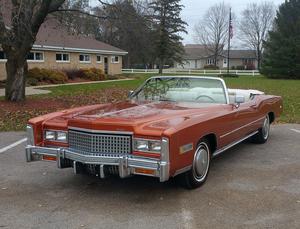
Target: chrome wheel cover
(201,162)
(266,128)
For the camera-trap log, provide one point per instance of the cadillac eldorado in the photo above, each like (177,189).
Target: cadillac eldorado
(171,126)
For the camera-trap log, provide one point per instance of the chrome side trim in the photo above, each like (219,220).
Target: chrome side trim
(231,132)
(165,160)
(183,170)
(30,135)
(100,131)
(233,144)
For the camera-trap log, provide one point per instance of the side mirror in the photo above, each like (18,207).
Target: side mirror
(239,99)
(130,94)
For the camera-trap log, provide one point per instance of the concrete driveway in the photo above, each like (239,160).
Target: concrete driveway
(249,186)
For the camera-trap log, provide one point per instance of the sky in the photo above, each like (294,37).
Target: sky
(194,10)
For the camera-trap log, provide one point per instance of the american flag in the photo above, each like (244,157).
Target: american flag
(230,26)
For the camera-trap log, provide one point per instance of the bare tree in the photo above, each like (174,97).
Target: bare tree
(257,20)
(19,24)
(17,37)
(212,30)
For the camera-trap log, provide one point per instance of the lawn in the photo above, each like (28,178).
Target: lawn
(14,116)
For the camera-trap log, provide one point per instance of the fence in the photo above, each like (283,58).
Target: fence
(192,71)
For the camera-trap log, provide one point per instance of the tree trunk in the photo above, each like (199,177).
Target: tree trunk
(161,66)
(15,83)
(258,59)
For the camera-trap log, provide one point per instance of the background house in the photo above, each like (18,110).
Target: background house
(57,48)
(198,57)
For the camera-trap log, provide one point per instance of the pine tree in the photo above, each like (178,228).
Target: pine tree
(282,50)
(167,25)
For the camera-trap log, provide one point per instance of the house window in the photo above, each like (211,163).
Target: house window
(84,58)
(248,61)
(115,59)
(210,61)
(99,59)
(2,55)
(62,57)
(35,56)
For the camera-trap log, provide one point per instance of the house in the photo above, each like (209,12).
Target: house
(198,57)
(56,48)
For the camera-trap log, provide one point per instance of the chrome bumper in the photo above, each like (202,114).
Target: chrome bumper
(127,164)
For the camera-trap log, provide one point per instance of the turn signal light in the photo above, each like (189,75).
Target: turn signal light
(49,158)
(145,171)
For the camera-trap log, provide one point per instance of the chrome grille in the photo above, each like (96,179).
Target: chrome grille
(99,143)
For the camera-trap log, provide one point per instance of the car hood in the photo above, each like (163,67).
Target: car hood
(131,116)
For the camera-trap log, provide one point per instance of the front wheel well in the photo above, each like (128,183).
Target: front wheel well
(271,117)
(212,139)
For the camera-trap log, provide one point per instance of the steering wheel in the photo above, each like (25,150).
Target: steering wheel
(205,96)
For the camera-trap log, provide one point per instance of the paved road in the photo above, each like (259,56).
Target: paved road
(249,186)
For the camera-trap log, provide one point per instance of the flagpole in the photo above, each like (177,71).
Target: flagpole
(229,38)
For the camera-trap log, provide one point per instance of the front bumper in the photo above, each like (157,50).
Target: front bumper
(127,164)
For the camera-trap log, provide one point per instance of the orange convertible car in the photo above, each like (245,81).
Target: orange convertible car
(171,126)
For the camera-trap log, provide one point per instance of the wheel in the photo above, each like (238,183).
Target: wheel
(263,133)
(197,176)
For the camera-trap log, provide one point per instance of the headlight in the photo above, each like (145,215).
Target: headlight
(52,135)
(61,136)
(147,145)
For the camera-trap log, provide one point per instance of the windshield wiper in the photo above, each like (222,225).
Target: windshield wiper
(166,100)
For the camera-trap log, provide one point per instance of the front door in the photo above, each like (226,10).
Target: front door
(106,65)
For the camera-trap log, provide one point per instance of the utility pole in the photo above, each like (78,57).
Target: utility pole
(230,35)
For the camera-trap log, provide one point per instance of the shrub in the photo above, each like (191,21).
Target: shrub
(58,77)
(35,73)
(250,67)
(231,75)
(32,81)
(240,67)
(93,74)
(47,75)
(74,73)
(211,67)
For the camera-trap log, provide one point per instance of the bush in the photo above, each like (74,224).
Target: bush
(240,67)
(250,67)
(211,67)
(32,82)
(94,74)
(231,75)
(74,73)
(46,75)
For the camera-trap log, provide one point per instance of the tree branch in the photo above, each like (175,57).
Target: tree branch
(85,13)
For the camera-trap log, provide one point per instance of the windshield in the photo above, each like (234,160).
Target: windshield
(182,89)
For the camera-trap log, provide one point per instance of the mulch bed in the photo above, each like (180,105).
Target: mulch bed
(14,116)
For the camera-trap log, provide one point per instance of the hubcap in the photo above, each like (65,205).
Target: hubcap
(266,128)
(201,162)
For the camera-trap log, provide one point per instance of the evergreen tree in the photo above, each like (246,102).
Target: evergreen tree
(282,50)
(167,25)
